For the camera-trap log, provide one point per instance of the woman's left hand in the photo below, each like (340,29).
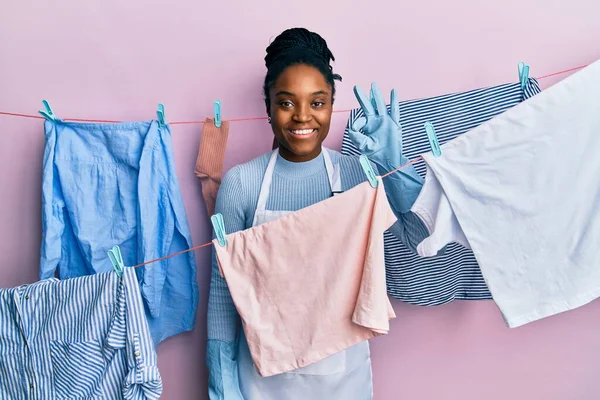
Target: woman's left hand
(378,135)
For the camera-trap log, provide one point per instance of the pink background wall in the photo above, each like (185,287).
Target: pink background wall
(118,59)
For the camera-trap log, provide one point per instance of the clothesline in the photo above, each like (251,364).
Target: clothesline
(237,120)
(383,176)
(414,160)
(13,114)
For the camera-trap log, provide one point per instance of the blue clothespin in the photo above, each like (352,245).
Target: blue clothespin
(217,112)
(160,114)
(368,168)
(433,140)
(523,74)
(219,227)
(116,259)
(48,114)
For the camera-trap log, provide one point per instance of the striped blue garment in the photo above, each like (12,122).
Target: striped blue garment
(80,338)
(455,275)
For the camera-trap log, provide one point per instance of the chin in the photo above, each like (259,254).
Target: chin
(303,149)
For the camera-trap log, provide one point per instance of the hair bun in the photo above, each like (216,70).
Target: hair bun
(295,42)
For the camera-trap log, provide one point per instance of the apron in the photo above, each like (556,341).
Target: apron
(343,375)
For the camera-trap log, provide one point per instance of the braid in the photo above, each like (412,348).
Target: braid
(298,46)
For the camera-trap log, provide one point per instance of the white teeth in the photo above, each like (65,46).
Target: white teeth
(302,131)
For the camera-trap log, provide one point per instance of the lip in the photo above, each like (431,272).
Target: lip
(302,136)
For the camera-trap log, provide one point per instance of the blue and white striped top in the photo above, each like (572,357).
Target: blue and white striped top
(455,274)
(80,338)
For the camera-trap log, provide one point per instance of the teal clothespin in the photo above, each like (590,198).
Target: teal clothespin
(433,140)
(161,116)
(366,166)
(217,112)
(48,114)
(116,259)
(219,227)
(523,74)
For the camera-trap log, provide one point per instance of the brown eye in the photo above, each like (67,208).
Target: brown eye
(318,104)
(286,104)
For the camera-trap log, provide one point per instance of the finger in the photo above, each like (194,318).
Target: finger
(379,102)
(358,139)
(372,99)
(395,107)
(364,102)
(359,124)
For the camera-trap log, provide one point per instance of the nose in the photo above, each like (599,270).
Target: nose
(302,114)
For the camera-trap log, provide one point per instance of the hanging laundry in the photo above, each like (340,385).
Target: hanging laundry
(115,184)
(77,338)
(311,283)
(523,190)
(453,275)
(254,193)
(209,165)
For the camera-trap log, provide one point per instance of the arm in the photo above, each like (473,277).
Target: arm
(402,189)
(223,319)
(378,135)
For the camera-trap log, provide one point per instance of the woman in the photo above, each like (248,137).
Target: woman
(299,91)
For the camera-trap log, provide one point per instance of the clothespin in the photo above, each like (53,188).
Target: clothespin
(368,168)
(219,227)
(160,114)
(433,140)
(48,114)
(217,112)
(523,74)
(116,259)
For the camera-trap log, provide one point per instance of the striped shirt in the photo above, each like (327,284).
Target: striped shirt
(455,274)
(79,338)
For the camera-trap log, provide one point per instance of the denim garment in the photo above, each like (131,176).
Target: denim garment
(115,184)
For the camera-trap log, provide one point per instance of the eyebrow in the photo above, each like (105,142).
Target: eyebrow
(285,93)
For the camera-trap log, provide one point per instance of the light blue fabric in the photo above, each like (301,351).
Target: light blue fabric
(294,186)
(82,338)
(223,381)
(115,184)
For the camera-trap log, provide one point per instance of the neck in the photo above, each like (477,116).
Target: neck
(289,156)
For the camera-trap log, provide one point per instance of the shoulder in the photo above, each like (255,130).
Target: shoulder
(240,186)
(243,175)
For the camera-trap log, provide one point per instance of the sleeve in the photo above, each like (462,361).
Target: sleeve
(53,223)
(143,380)
(402,188)
(223,318)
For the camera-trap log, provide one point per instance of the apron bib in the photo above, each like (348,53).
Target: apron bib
(346,374)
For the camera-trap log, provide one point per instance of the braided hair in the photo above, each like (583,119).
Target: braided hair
(298,46)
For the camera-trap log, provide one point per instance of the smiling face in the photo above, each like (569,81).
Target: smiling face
(300,111)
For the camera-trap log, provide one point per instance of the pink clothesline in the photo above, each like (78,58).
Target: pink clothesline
(12,114)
